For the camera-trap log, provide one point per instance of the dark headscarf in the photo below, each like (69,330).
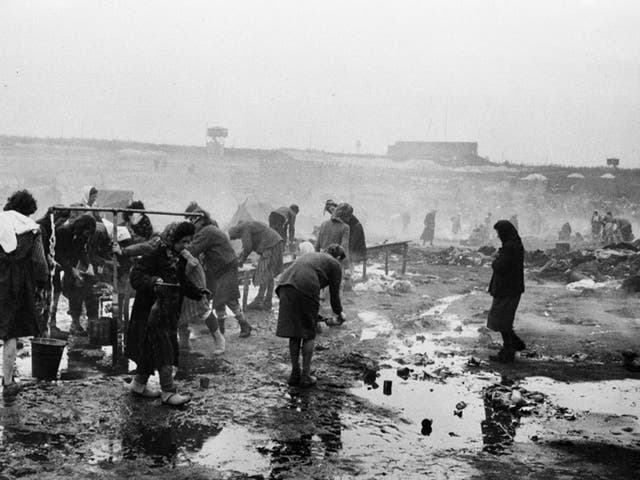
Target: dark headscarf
(506,231)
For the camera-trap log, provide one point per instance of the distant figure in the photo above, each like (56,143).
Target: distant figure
(506,287)
(609,228)
(596,225)
(357,242)
(429,228)
(455,224)
(333,231)
(623,230)
(406,220)
(487,222)
(564,234)
(514,221)
(330,206)
(283,219)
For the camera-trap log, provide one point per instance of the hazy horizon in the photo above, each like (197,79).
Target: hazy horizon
(543,82)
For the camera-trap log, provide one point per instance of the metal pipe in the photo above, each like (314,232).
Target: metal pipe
(127,210)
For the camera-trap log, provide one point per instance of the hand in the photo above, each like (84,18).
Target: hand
(116,248)
(77,274)
(191,260)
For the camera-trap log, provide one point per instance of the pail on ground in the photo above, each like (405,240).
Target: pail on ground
(45,357)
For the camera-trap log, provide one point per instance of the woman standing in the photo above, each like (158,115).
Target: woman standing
(161,284)
(506,287)
(23,267)
(299,293)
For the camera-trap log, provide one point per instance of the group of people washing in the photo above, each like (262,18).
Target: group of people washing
(188,271)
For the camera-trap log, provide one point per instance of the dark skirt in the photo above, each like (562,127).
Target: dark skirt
(298,314)
(502,313)
(225,287)
(18,311)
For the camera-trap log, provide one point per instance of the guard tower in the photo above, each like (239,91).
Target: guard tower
(215,140)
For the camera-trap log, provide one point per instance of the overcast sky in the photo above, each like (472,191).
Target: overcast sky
(534,82)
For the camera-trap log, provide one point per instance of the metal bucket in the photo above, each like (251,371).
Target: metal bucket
(46,354)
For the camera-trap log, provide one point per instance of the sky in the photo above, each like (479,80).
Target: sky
(532,82)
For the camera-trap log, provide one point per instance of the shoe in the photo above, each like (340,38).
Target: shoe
(219,343)
(245,330)
(174,399)
(308,382)
(294,379)
(519,346)
(55,332)
(140,390)
(77,331)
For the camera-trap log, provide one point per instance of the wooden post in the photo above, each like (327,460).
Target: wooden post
(245,290)
(405,251)
(115,307)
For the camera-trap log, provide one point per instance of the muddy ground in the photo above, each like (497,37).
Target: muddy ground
(565,409)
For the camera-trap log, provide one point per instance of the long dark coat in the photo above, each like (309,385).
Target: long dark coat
(508,267)
(20,272)
(152,339)
(357,242)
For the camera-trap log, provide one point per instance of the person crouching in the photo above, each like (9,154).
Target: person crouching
(161,284)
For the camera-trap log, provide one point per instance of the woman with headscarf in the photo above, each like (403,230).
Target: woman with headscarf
(161,284)
(429,228)
(506,287)
(23,267)
(299,292)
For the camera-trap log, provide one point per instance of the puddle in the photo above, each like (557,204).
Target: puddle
(375,324)
(235,448)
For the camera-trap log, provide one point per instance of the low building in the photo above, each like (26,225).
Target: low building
(454,153)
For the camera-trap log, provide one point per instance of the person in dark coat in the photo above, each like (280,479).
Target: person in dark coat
(72,254)
(283,220)
(138,224)
(299,292)
(23,269)
(221,270)
(429,228)
(266,242)
(333,231)
(152,342)
(506,287)
(357,242)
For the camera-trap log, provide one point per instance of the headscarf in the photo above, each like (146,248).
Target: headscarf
(329,203)
(344,212)
(194,207)
(87,190)
(507,231)
(12,224)
(168,233)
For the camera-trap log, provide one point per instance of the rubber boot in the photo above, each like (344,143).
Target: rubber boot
(218,339)
(221,321)
(76,329)
(516,341)
(245,328)
(306,379)
(183,337)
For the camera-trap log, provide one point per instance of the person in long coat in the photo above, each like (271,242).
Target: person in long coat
(299,292)
(506,287)
(429,228)
(161,284)
(221,270)
(23,268)
(357,242)
(266,242)
(333,231)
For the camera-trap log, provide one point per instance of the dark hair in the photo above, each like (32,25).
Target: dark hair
(84,222)
(184,229)
(295,208)
(135,205)
(22,202)
(206,219)
(336,251)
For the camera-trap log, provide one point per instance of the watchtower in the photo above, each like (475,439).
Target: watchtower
(215,140)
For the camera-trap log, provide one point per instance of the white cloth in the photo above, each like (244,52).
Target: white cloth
(86,193)
(123,232)
(13,224)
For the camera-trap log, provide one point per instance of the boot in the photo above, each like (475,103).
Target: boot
(221,324)
(245,328)
(516,341)
(213,325)
(183,338)
(76,329)
(141,390)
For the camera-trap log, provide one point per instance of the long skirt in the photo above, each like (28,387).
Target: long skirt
(502,313)
(298,314)
(194,310)
(270,264)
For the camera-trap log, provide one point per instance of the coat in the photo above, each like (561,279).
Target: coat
(507,279)
(357,243)
(333,231)
(312,272)
(219,256)
(256,237)
(20,272)
(152,338)
(288,221)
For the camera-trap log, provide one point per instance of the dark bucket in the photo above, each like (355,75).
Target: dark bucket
(45,357)
(100,331)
